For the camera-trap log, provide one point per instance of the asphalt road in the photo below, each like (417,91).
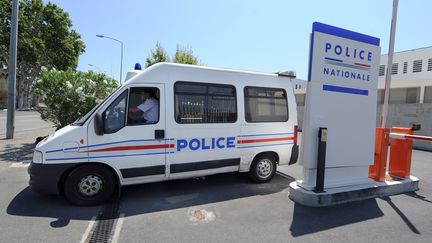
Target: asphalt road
(219,208)
(25,122)
(236,210)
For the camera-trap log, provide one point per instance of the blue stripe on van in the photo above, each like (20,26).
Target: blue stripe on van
(102,144)
(109,156)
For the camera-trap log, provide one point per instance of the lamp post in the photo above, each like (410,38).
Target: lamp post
(121,54)
(10,123)
(94,66)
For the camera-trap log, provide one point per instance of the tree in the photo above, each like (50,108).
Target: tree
(69,95)
(157,55)
(185,55)
(182,55)
(45,38)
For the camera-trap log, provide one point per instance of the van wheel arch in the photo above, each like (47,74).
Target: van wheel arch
(272,153)
(67,172)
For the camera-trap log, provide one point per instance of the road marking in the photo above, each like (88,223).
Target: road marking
(118,228)
(87,231)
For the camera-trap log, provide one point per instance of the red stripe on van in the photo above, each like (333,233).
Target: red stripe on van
(264,140)
(136,147)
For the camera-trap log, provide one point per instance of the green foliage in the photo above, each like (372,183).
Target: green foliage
(69,95)
(45,38)
(185,55)
(182,55)
(157,55)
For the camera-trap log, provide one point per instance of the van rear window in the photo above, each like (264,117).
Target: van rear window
(204,103)
(265,105)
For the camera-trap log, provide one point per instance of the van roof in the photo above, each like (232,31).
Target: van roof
(163,65)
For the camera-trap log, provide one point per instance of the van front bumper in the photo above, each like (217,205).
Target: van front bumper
(45,178)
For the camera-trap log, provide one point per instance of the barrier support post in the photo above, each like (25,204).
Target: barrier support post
(378,169)
(400,154)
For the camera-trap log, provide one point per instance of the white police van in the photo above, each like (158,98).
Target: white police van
(210,121)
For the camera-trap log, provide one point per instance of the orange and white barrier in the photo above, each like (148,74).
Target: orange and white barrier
(400,152)
(412,137)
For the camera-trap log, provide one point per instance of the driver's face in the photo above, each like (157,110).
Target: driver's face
(144,95)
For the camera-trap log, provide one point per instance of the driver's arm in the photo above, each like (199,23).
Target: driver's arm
(134,109)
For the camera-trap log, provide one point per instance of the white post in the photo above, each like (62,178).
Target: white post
(389,64)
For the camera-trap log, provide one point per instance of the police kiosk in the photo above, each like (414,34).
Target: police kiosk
(341,100)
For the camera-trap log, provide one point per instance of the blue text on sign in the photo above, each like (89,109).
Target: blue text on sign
(348,52)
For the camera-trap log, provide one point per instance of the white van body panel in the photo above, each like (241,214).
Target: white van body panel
(137,157)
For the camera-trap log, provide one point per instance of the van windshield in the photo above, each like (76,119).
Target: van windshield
(80,121)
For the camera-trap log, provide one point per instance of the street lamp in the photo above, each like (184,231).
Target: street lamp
(121,55)
(94,66)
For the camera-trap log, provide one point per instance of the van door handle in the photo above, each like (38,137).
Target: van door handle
(159,134)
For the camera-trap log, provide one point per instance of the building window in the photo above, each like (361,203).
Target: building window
(405,67)
(430,64)
(204,103)
(427,94)
(395,67)
(417,66)
(412,95)
(265,105)
(381,70)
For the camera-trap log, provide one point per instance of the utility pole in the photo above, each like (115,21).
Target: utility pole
(10,123)
(389,64)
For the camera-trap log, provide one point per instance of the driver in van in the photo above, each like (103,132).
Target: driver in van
(149,106)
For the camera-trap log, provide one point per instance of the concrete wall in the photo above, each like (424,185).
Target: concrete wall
(404,115)
(401,115)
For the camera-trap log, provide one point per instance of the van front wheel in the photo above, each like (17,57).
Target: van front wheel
(262,168)
(89,185)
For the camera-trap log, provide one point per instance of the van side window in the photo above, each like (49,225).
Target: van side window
(265,104)
(143,106)
(115,115)
(204,103)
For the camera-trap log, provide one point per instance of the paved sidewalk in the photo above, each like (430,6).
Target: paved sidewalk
(28,126)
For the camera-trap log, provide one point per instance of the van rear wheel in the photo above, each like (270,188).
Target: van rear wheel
(263,168)
(89,185)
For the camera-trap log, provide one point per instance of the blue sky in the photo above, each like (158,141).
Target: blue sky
(264,36)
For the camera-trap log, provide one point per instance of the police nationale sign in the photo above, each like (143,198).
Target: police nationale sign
(342,96)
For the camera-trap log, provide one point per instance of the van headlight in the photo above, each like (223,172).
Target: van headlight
(37,157)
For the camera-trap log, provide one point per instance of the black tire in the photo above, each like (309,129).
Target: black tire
(257,174)
(84,176)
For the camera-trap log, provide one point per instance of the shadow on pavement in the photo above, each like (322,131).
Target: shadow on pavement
(307,220)
(19,153)
(402,215)
(175,194)
(28,203)
(148,198)
(418,196)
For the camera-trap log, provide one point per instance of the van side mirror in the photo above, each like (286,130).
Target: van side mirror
(98,124)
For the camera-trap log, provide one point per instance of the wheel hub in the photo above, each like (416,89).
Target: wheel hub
(90,185)
(264,168)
